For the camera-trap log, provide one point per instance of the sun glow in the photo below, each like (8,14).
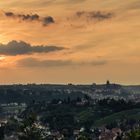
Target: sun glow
(2,57)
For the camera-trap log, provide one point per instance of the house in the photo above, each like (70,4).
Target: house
(107,136)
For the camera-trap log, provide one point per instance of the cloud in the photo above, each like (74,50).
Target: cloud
(70,1)
(98,15)
(47,20)
(31,17)
(33,62)
(95,63)
(19,48)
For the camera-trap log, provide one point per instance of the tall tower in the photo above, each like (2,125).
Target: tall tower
(107,82)
(108,85)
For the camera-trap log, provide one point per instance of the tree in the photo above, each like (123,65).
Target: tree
(85,136)
(133,135)
(29,130)
(2,133)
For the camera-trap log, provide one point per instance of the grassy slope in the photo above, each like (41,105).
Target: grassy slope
(129,114)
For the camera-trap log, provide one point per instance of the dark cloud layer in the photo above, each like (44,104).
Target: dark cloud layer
(31,17)
(33,62)
(21,47)
(98,15)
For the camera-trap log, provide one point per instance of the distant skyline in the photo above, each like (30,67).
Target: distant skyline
(70,41)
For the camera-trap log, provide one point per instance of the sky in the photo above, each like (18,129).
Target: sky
(69,41)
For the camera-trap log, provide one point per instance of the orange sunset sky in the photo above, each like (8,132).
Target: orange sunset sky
(69,41)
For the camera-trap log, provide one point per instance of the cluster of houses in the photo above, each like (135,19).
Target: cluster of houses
(103,132)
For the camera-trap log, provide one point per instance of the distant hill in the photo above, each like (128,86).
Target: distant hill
(132,88)
(26,93)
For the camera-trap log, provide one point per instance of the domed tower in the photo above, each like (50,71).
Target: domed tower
(107,82)
(108,85)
